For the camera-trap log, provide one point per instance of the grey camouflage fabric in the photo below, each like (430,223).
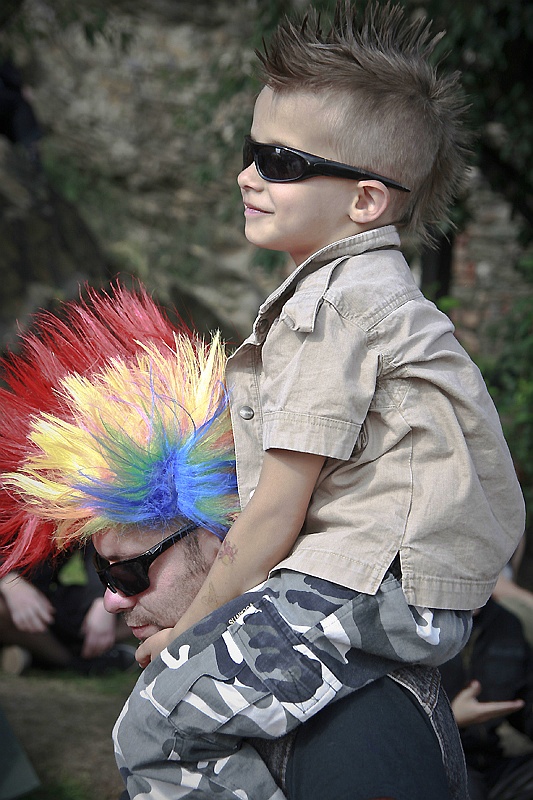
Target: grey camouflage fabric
(258,667)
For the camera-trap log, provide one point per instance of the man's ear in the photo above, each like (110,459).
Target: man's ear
(370,201)
(209,545)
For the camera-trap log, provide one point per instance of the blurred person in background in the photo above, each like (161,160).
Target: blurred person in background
(55,618)
(491,681)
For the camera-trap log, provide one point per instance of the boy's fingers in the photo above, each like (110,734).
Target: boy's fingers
(142,655)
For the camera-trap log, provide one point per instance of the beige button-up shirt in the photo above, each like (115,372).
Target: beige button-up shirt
(348,360)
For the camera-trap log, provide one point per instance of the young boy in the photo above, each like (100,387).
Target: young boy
(377,491)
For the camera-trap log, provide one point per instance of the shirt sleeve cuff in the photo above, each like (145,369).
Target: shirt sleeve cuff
(304,433)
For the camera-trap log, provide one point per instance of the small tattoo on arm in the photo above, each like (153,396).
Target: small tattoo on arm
(227,552)
(211,598)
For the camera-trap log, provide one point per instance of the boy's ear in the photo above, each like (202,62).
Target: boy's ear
(370,201)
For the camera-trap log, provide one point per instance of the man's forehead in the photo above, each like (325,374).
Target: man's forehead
(117,544)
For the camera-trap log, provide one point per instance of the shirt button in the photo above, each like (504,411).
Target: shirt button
(262,326)
(246,412)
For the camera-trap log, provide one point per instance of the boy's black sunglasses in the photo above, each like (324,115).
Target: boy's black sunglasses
(130,577)
(278,164)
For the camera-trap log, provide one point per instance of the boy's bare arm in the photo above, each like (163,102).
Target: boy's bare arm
(260,538)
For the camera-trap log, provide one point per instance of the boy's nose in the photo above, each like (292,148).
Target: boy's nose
(115,603)
(249,177)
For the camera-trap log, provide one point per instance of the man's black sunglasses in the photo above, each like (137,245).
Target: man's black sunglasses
(278,164)
(130,577)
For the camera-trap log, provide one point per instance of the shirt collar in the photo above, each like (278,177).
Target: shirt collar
(375,239)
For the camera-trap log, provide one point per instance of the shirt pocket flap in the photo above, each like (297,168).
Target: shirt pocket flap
(299,312)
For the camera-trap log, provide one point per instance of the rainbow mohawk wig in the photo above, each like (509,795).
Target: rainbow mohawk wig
(120,419)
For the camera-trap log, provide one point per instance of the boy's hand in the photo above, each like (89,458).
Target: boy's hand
(151,648)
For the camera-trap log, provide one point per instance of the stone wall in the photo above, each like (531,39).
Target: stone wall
(142,146)
(485,282)
(145,144)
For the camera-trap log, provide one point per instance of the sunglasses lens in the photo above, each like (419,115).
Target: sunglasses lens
(273,163)
(128,578)
(278,164)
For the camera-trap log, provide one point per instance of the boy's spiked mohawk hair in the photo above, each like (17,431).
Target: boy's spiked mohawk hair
(392,111)
(112,416)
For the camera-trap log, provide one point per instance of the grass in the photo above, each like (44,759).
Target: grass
(66,790)
(64,723)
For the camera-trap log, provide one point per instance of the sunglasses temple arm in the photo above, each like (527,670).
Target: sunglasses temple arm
(334,171)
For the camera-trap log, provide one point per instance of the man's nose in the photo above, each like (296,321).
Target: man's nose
(115,603)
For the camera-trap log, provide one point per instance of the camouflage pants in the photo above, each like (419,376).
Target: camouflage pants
(258,667)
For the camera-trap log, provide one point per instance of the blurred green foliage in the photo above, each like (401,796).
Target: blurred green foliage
(491,43)
(510,379)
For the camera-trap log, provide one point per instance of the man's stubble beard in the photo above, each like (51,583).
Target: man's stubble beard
(196,569)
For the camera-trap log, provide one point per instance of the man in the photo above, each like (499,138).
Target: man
(365,746)
(131,446)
